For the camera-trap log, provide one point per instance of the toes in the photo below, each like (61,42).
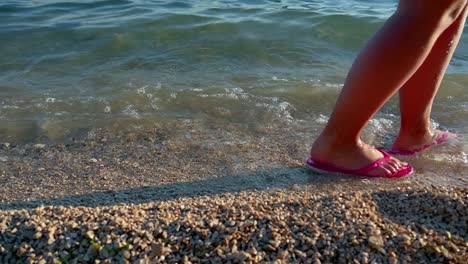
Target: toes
(393,166)
(390,168)
(380,172)
(402,163)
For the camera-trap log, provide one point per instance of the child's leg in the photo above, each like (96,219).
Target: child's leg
(386,64)
(417,95)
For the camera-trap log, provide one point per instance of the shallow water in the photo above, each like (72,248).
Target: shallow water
(69,68)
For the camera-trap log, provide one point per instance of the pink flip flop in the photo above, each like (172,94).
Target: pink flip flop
(321,167)
(444,138)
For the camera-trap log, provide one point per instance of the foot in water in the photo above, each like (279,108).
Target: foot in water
(357,159)
(413,143)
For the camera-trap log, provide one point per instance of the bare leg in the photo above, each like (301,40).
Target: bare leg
(417,95)
(387,63)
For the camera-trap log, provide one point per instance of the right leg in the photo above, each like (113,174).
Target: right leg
(388,61)
(417,95)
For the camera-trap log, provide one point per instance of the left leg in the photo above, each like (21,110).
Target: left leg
(418,93)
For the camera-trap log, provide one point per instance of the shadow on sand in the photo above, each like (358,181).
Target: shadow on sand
(419,211)
(259,180)
(424,211)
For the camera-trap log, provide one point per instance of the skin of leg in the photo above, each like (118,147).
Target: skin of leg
(389,60)
(417,95)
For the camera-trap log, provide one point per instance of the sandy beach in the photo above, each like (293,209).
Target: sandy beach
(176,195)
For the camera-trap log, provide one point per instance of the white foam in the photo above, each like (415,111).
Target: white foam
(274,78)
(142,90)
(227,95)
(131,111)
(280,109)
(459,158)
(322,119)
(283,106)
(223,111)
(91,134)
(381,124)
(10,107)
(333,85)
(237,90)
(464,157)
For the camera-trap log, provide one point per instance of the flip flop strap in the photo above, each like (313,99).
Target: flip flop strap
(373,165)
(443,138)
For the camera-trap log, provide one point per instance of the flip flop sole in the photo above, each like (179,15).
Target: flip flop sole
(320,171)
(328,168)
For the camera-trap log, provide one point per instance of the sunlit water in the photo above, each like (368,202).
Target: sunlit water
(71,67)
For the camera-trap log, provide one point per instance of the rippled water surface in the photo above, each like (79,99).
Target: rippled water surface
(70,67)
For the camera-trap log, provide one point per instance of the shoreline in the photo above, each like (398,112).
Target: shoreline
(223,195)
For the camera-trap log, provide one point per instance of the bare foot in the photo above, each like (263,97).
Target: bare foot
(417,141)
(353,157)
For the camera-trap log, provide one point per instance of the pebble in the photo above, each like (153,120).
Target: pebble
(126,254)
(37,235)
(4,145)
(300,254)
(39,146)
(89,235)
(283,254)
(131,138)
(376,242)
(269,247)
(416,244)
(157,249)
(405,239)
(3,159)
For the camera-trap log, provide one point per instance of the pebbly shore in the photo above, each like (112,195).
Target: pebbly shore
(178,194)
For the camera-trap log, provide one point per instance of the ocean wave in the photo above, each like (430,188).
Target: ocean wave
(238,61)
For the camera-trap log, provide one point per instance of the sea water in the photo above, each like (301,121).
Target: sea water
(72,67)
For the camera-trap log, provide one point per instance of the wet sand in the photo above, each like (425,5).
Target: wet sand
(180,193)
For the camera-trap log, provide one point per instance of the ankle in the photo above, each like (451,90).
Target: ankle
(415,133)
(333,142)
(415,130)
(413,137)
